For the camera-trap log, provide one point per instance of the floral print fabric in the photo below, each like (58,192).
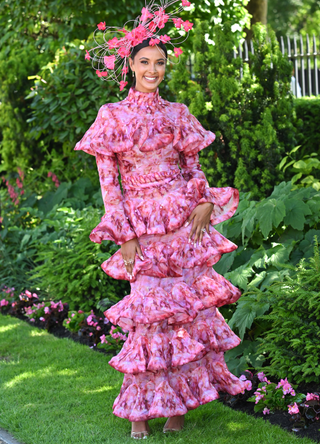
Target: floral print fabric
(173,358)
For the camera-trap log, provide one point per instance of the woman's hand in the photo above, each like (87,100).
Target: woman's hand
(201,219)
(128,251)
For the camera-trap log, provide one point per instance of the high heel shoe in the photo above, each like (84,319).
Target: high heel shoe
(172,429)
(141,435)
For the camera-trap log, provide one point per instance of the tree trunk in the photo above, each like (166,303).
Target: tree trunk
(258,9)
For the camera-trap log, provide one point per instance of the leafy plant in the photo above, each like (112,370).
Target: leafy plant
(292,343)
(302,168)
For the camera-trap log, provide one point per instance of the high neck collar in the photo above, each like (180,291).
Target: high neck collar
(143,98)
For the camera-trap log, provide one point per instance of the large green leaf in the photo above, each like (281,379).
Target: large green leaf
(270,214)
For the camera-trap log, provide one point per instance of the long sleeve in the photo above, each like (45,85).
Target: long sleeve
(114,224)
(225,200)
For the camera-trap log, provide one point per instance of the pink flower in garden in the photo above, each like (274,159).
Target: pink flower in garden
(185,3)
(103,339)
(187,25)
(1,219)
(28,293)
(13,304)
(87,56)
(101,26)
(98,328)
(312,397)
(293,409)
(49,174)
(123,84)
(90,334)
(282,382)
(3,303)
(42,319)
(80,311)
(89,319)
(35,296)
(177,51)
(19,184)
(32,320)
(46,310)
(106,321)
(248,385)
(266,411)
(154,42)
(73,314)
(243,378)
(68,321)
(262,377)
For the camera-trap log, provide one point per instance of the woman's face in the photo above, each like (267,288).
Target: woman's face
(149,66)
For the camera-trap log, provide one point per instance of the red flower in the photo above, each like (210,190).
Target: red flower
(125,70)
(152,26)
(101,73)
(101,26)
(177,51)
(87,56)
(187,25)
(123,84)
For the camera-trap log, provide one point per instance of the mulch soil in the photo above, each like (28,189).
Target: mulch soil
(240,403)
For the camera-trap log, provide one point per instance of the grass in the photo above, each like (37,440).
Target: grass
(56,391)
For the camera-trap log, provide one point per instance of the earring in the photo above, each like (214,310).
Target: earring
(132,73)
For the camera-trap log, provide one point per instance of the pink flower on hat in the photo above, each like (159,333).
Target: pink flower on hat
(113,43)
(101,26)
(177,22)
(101,73)
(109,61)
(187,25)
(124,70)
(162,18)
(123,84)
(87,56)
(154,42)
(165,38)
(123,52)
(145,15)
(177,51)
(152,26)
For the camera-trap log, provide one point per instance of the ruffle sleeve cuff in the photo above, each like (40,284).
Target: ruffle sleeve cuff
(190,136)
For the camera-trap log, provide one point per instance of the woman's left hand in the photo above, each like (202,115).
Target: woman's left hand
(201,219)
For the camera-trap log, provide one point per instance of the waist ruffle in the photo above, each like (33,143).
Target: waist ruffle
(138,182)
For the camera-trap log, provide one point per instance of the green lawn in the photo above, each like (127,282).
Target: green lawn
(56,391)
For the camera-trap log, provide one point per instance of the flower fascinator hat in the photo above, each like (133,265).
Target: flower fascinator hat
(114,45)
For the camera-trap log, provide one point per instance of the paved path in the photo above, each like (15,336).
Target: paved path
(5,438)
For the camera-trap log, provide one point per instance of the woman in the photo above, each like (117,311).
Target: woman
(173,358)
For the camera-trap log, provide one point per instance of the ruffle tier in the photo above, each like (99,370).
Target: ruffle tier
(161,345)
(174,391)
(148,215)
(179,305)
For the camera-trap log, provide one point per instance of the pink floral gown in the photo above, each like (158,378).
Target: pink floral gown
(173,360)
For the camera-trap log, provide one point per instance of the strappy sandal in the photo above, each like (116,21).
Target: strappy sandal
(172,429)
(141,435)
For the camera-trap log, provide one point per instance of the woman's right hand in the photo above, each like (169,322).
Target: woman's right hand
(128,251)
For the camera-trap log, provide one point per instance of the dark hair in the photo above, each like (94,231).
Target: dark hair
(145,44)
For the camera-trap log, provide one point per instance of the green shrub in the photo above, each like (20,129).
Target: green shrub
(308,112)
(292,343)
(253,117)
